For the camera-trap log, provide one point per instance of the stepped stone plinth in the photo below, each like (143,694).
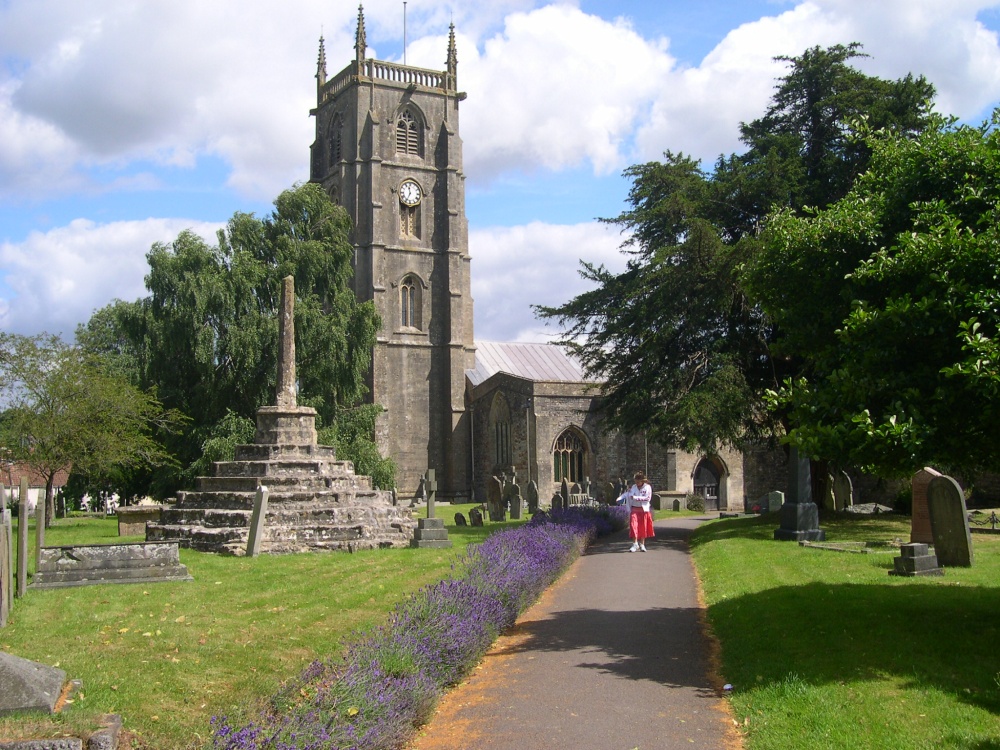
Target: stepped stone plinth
(315,502)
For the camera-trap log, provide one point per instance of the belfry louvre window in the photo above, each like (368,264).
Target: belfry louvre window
(567,457)
(336,143)
(408,140)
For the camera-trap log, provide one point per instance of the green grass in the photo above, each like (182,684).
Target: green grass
(826,650)
(169,656)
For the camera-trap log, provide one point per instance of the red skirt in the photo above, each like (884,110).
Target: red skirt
(640,524)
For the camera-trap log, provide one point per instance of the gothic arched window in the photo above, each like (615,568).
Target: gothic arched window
(409,134)
(500,420)
(409,302)
(568,457)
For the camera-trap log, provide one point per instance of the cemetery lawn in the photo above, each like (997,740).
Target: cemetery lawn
(170,656)
(826,650)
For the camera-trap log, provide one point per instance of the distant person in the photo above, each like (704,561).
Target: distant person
(637,498)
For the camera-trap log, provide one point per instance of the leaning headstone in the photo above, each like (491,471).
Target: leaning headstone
(799,515)
(532,497)
(843,491)
(915,560)
(28,685)
(6,563)
(22,538)
(920,519)
(257,521)
(829,499)
(460,520)
(949,522)
(476,517)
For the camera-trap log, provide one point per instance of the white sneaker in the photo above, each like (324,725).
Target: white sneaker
(634,548)
(642,547)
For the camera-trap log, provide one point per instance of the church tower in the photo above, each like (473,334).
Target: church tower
(387,149)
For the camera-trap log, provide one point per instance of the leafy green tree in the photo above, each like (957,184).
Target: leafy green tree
(891,298)
(65,411)
(207,337)
(684,351)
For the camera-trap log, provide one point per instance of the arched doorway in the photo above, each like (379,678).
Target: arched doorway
(709,482)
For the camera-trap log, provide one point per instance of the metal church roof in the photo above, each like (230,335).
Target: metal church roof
(539,362)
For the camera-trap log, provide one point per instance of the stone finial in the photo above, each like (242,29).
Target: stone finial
(321,63)
(451,64)
(360,39)
(286,396)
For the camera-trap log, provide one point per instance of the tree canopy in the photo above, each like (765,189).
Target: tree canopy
(684,351)
(891,299)
(65,411)
(206,336)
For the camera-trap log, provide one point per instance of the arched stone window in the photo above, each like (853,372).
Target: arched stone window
(409,134)
(569,457)
(500,422)
(410,302)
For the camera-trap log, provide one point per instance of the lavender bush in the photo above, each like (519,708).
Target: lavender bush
(391,677)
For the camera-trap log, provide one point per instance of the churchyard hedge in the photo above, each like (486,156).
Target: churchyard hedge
(391,677)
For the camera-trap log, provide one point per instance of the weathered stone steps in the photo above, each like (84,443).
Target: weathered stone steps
(278,483)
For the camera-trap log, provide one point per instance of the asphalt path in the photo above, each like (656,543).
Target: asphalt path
(613,656)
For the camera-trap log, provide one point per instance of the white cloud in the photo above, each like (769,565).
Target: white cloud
(58,278)
(514,268)
(555,89)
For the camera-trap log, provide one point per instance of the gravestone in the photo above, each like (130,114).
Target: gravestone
(774,501)
(677,506)
(89,564)
(532,497)
(257,517)
(585,486)
(515,501)
(39,532)
(476,517)
(28,685)
(799,515)
(22,538)
(949,523)
(920,519)
(829,500)
(564,493)
(494,499)
(430,532)
(6,561)
(132,519)
(843,491)
(460,520)
(657,502)
(915,560)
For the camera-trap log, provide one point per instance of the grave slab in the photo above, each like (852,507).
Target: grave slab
(28,685)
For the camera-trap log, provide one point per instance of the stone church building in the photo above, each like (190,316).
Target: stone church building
(388,150)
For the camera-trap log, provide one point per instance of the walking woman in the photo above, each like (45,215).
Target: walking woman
(638,497)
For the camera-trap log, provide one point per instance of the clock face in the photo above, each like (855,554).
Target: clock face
(409,193)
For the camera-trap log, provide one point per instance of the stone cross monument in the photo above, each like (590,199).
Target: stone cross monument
(431,531)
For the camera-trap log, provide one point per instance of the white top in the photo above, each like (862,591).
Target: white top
(638,497)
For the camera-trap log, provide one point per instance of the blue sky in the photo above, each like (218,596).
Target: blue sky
(123,123)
